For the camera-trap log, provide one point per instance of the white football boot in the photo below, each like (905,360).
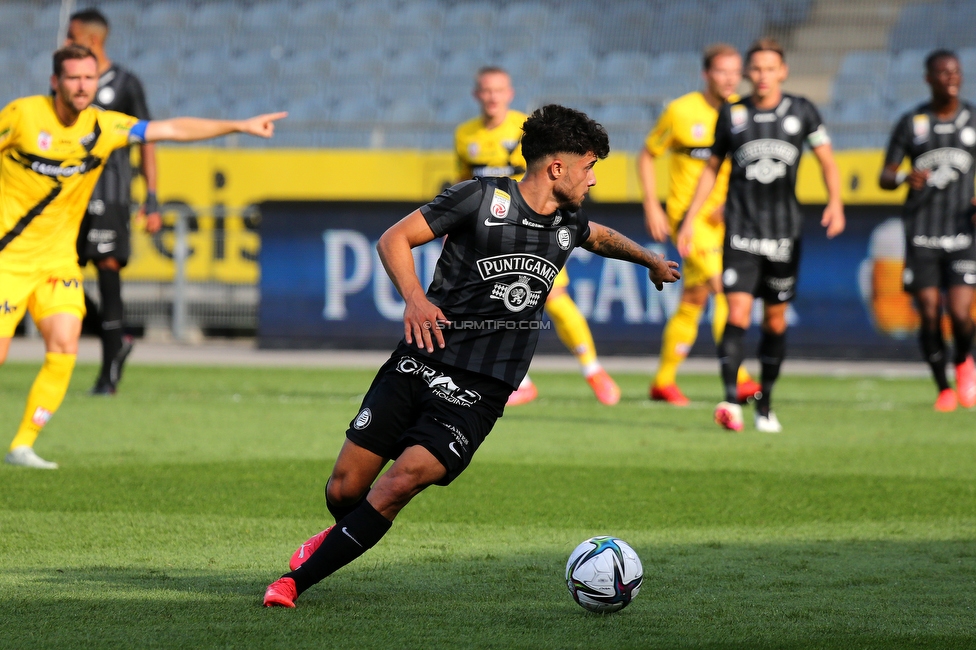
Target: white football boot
(26,457)
(768,423)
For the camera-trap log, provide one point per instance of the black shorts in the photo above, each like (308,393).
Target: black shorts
(104,233)
(770,274)
(416,401)
(935,267)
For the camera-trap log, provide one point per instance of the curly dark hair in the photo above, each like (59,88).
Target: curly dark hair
(556,129)
(935,56)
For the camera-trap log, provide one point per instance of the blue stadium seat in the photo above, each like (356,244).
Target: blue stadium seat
(624,64)
(412,62)
(364,63)
(684,31)
(959,30)
(867,109)
(315,15)
(908,63)
(461,109)
(261,16)
(215,16)
(47,18)
(355,109)
(622,114)
(787,13)
(918,27)
(311,64)
(419,14)
(676,64)
(155,65)
(865,64)
(17,13)
(470,16)
(371,14)
(625,26)
(409,110)
(530,16)
(164,15)
(208,64)
(737,22)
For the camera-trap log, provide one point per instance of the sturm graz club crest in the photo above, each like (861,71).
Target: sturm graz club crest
(517,295)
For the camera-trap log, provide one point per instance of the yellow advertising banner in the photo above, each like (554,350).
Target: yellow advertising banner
(218,191)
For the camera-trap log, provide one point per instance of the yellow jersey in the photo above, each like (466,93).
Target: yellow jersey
(490,152)
(687,129)
(47,173)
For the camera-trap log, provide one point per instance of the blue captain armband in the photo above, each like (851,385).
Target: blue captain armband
(137,134)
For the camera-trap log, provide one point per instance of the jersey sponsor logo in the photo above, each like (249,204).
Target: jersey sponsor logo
(946,164)
(968,136)
(101,235)
(948,243)
(106,95)
(920,128)
(962,267)
(698,153)
(458,435)
(44,140)
(489,171)
(775,250)
(730,277)
(740,118)
(760,118)
(697,130)
(518,264)
(41,416)
(88,139)
(517,295)
(498,209)
(531,224)
(440,384)
(944,129)
(57,169)
(783,285)
(473,149)
(766,159)
(564,238)
(7,308)
(363,419)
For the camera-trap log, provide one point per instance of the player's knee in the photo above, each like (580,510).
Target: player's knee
(109,264)
(344,490)
(775,324)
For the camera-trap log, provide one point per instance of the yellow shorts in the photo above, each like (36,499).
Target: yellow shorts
(704,262)
(562,279)
(42,293)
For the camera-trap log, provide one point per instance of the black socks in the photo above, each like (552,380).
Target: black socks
(730,357)
(340,512)
(772,350)
(933,349)
(962,334)
(110,286)
(352,536)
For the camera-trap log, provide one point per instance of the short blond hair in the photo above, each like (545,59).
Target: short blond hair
(714,51)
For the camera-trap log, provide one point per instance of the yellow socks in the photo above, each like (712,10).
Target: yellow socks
(679,337)
(720,315)
(571,328)
(45,396)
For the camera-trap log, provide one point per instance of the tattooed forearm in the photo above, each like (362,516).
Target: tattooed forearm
(607,242)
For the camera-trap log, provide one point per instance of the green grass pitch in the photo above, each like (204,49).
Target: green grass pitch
(180,499)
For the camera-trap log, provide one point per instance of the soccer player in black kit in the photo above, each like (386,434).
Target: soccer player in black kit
(939,138)
(104,234)
(764,135)
(468,341)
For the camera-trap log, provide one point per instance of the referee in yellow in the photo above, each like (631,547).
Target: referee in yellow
(489,145)
(686,129)
(53,152)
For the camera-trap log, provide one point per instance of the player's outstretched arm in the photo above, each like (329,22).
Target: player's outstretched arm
(420,316)
(833,215)
(655,220)
(706,182)
(192,129)
(610,243)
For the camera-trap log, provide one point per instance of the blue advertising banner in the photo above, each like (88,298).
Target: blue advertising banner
(323,286)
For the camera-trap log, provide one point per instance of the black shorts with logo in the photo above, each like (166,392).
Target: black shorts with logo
(104,233)
(769,273)
(936,267)
(416,401)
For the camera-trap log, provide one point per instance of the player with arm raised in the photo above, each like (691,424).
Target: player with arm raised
(939,139)
(468,340)
(104,234)
(686,129)
(487,146)
(764,135)
(52,151)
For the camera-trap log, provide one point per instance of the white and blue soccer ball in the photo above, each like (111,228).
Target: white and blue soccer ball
(604,574)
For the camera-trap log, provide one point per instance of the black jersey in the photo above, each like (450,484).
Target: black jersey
(937,214)
(495,272)
(119,90)
(765,148)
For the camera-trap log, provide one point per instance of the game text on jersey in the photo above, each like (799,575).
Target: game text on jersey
(518,264)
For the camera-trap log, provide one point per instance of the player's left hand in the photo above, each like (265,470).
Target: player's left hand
(261,125)
(833,219)
(663,270)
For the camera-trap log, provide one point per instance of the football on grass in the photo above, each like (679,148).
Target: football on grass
(604,574)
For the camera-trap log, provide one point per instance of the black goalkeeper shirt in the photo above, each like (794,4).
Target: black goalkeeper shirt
(765,148)
(937,214)
(119,90)
(498,264)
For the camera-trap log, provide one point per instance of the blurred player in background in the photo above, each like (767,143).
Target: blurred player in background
(53,149)
(489,145)
(104,234)
(764,135)
(686,129)
(939,138)
(437,398)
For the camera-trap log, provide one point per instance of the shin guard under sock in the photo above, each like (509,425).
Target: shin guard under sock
(110,286)
(340,512)
(730,357)
(962,334)
(933,349)
(772,350)
(355,534)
